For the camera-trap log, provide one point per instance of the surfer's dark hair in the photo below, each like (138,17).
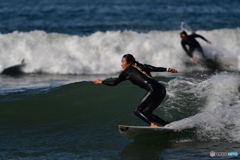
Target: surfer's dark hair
(183,32)
(130,59)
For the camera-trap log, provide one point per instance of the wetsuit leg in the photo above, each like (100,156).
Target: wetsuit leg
(192,49)
(199,48)
(148,104)
(141,106)
(154,118)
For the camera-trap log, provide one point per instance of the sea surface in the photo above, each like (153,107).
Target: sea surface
(54,111)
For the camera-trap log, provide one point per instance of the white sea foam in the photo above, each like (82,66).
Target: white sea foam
(101,52)
(218,119)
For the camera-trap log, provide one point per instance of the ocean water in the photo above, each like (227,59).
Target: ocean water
(54,111)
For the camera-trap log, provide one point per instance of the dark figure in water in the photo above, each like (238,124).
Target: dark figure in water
(14,70)
(139,74)
(192,44)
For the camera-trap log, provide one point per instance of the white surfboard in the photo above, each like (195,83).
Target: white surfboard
(134,132)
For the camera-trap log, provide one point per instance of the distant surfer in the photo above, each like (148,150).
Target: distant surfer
(192,44)
(14,70)
(139,74)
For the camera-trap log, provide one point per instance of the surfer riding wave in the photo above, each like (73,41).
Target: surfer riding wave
(190,40)
(139,74)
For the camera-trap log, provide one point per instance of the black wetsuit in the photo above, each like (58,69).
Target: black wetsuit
(193,44)
(155,91)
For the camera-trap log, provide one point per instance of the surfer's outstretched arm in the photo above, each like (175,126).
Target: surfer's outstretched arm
(207,41)
(159,69)
(115,82)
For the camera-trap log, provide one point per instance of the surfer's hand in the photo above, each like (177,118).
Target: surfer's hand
(97,81)
(172,70)
(209,42)
(194,59)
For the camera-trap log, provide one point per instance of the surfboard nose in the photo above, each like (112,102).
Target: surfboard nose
(122,128)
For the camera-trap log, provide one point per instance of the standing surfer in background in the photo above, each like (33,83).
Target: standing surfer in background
(192,43)
(139,74)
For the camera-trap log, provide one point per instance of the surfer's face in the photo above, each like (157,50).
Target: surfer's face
(125,64)
(184,36)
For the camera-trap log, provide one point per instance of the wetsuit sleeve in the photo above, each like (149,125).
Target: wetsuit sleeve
(186,50)
(155,69)
(115,82)
(199,36)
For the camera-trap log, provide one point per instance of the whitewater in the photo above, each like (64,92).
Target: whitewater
(101,52)
(216,104)
(55,111)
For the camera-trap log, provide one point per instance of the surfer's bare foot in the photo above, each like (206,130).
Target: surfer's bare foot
(153,125)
